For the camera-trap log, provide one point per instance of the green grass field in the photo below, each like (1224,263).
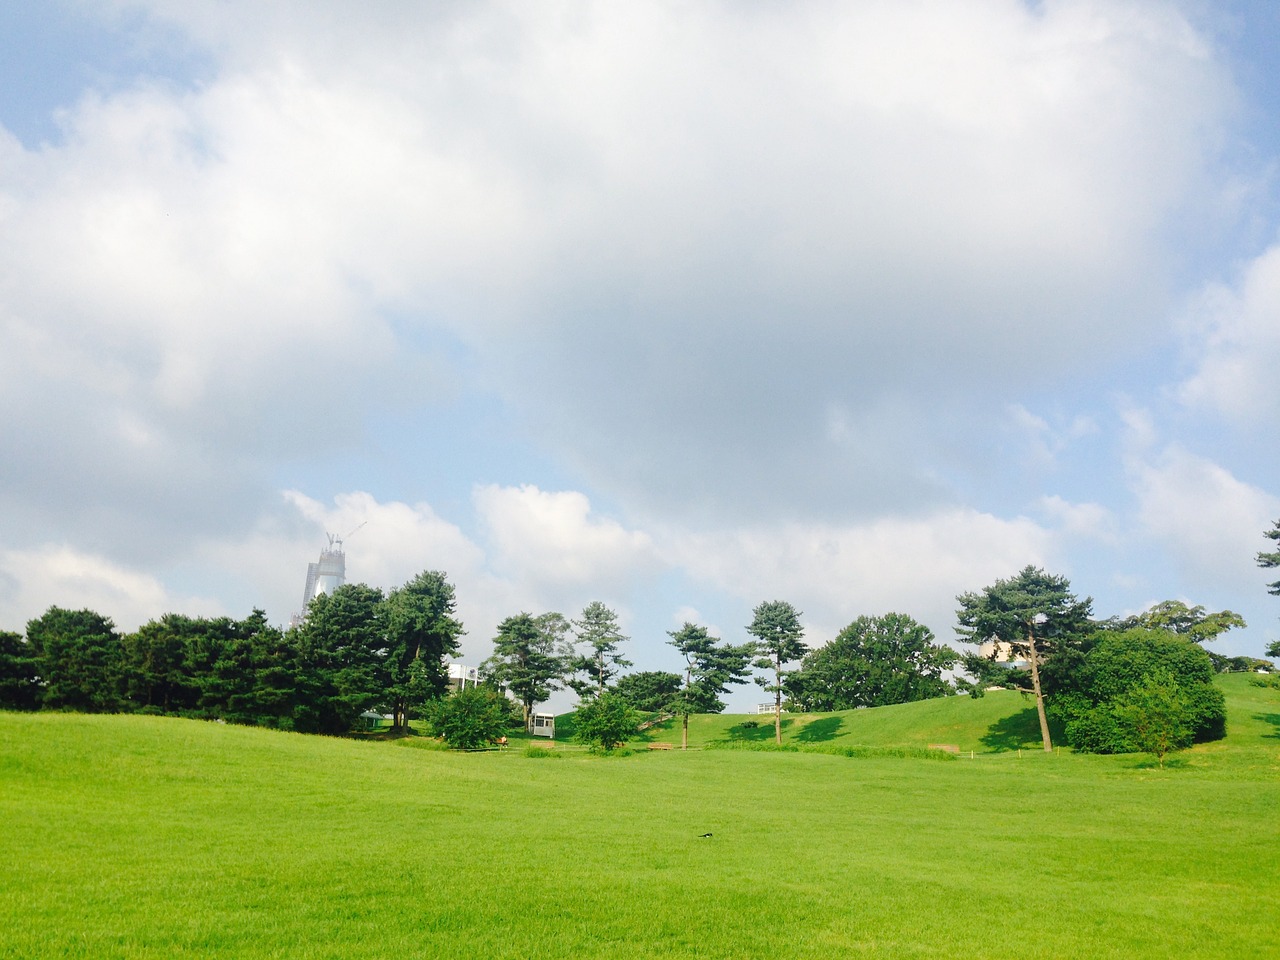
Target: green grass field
(145,837)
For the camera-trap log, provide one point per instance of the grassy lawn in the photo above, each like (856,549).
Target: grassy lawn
(147,837)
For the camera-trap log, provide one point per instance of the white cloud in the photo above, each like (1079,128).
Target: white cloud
(1208,521)
(1234,339)
(673,236)
(728,263)
(31,581)
(834,574)
(552,540)
(1090,521)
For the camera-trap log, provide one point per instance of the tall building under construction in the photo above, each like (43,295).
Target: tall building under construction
(323,576)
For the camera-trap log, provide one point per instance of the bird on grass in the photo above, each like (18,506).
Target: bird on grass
(703,836)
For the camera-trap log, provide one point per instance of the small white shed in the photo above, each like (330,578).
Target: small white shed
(543,725)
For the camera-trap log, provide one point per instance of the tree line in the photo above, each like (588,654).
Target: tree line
(1111,685)
(357,649)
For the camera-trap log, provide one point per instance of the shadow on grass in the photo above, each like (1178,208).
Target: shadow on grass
(762,731)
(1170,763)
(817,731)
(1274,720)
(1018,730)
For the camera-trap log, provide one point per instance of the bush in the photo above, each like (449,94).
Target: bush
(1096,709)
(1155,714)
(606,721)
(470,718)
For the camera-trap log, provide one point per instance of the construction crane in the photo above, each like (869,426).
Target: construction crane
(335,541)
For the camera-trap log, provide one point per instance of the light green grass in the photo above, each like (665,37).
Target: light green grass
(145,837)
(1001,720)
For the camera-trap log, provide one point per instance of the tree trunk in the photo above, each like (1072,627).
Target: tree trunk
(1035,685)
(777,707)
(684,737)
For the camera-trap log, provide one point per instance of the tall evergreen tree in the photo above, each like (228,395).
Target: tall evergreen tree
(422,629)
(342,646)
(599,633)
(528,659)
(779,641)
(710,667)
(80,660)
(1031,614)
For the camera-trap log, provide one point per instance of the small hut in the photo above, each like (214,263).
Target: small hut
(543,725)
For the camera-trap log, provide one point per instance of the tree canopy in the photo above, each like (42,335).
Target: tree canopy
(528,659)
(650,691)
(1031,615)
(1116,663)
(779,640)
(872,662)
(710,668)
(598,631)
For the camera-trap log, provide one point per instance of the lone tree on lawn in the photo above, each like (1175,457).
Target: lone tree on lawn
(776,627)
(1030,613)
(710,667)
(872,662)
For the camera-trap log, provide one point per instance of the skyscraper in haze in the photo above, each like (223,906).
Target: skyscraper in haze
(324,576)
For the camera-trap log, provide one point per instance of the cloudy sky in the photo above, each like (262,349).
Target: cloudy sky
(678,306)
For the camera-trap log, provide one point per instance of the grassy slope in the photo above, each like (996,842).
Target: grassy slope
(143,837)
(1002,720)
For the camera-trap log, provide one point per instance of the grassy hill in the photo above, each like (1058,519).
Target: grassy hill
(1002,720)
(136,837)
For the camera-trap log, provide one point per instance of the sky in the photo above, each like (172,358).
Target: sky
(682,307)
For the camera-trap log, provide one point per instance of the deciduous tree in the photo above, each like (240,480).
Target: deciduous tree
(606,721)
(872,662)
(1155,715)
(470,718)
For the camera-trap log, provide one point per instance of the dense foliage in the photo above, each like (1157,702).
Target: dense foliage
(650,691)
(872,662)
(1098,702)
(471,718)
(529,659)
(606,721)
(355,651)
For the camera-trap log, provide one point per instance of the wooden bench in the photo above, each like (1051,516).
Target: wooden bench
(661,746)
